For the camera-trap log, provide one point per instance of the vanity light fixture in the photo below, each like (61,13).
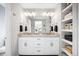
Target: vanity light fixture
(25,13)
(47,14)
(29,13)
(33,14)
(52,14)
(44,14)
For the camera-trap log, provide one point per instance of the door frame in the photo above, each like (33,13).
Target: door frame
(8,28)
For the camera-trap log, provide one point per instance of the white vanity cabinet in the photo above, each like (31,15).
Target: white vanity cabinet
(25,46)
(38,46)
(51,46)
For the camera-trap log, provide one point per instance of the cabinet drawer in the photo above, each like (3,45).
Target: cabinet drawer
(38,51)
(38,44)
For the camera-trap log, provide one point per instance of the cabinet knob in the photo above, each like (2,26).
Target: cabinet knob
(51,44)
(25,44)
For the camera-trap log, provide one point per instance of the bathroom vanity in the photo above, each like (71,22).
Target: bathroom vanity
(38,44)
(38,34)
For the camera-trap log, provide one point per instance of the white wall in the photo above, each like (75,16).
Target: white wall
(12,27)
(57,19)
(15,22)
(2,25)
(8,28)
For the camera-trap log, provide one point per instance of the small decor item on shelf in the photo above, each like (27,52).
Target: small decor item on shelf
(68,37)
(68,48)
(68,26)
(21,28)
(68,16)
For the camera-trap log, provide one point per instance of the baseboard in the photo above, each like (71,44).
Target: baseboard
(38,55)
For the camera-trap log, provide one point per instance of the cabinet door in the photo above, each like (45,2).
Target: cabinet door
(51,46)
(25,46)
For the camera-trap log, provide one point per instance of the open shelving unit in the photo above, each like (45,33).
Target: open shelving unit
(67,30)
(66,41)
(69,27)
(66,19)
(67,8)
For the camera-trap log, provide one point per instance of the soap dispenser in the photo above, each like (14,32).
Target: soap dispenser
(56,28)
(25,28)
(21,28)
(51,28)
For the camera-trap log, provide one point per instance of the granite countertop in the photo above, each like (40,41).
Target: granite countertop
(24,34)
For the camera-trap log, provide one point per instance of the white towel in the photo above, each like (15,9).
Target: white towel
(2,49)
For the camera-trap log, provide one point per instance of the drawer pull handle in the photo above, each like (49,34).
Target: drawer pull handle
(38,43)
(38,39)
(25,44)
(38,50)
(51,44)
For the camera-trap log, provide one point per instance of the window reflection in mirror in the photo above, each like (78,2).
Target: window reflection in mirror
(38,26)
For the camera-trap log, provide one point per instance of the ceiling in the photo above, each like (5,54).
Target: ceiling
(39,5)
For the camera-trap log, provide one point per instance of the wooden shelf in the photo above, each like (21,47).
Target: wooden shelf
(66,41)
(66,20)
(67,9)
(65,51)
(67,30)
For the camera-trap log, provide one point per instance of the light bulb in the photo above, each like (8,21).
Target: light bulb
(44,14)
(25,14)
(33,14)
